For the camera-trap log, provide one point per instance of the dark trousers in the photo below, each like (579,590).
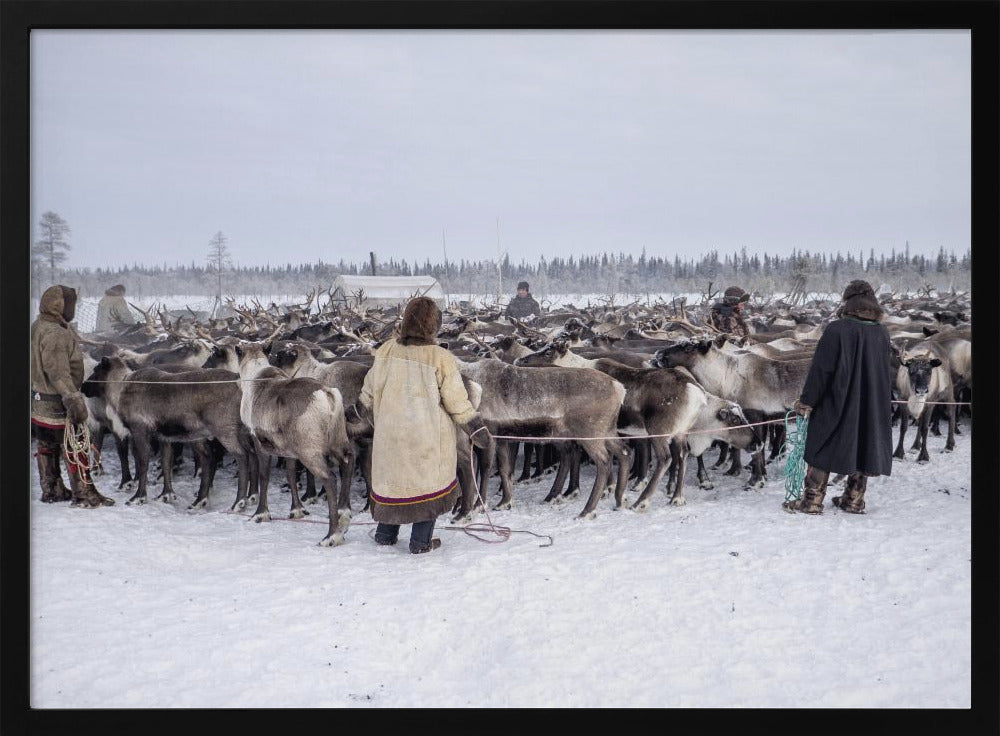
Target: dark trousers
(420,534)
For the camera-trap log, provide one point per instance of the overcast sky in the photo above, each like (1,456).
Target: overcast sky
(321,145)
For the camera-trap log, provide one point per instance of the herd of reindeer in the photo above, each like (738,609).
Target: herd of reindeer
(635,390)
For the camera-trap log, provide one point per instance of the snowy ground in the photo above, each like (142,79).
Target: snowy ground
(725,602)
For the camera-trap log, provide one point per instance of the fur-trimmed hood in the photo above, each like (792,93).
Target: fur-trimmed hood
(421,322)
(116,290)
(58,303)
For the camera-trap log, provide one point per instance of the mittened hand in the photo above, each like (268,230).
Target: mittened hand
(801,408)
(76,408)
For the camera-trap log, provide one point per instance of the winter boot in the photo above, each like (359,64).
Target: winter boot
(65,494)
(84,493)
(853,499)
(811,501)
(420,549)
(48,472)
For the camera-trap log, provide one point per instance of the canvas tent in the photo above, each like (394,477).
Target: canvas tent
(386,291)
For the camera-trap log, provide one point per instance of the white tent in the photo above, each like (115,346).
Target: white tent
(386,291)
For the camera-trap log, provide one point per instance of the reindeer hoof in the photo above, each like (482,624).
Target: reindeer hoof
(262,516)
(136,501)
(297,513)
(503,506)
(640,506)
(332,540)
(127,486)
(706,485)
(198,505)
(167,497)
(678,501)
(587,515)
(239,505)
(948,449)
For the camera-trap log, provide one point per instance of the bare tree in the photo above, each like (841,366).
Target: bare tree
(218,261)
(51,247)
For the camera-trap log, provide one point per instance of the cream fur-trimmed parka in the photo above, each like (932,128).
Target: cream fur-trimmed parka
(416,396)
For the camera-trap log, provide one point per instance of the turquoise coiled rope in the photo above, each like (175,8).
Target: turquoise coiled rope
(795,464)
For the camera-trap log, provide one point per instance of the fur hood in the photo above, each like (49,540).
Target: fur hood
(421,322)
(860,302)
(58,303)
(116,290)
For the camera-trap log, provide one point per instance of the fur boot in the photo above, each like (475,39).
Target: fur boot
(853,499)
(84,492)
(813,493)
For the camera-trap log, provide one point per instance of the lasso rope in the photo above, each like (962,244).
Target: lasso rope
(77,447)
(795,464)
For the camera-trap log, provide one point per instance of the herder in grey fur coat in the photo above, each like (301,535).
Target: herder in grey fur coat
(416,397)
(848,399)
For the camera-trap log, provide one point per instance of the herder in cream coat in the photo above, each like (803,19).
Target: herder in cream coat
(415,395)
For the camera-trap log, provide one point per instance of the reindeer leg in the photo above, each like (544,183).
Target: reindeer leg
(141,450)
(127,482)
(704,482)
(505,471)
(599,454)
(949,444)
(620,452)
(560,479)
(723,453)
(904,421)
(529,454)
(574,472)
(339,520)
(310,495)
(291,472)
(167,463)
(660,447)
(263,477)
(758,471)
(366,472)
(346,466)
(678,456)
(735,467)
(247,484)
(925,420)
(206,457)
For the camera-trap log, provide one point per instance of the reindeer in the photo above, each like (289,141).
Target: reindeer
(924,376)
(664,403)
(558,402)
(764,388)
(300,419)
(183,406)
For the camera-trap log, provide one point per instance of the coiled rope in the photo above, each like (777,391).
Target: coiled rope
(795,464)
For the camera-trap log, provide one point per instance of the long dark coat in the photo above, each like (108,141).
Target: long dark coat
(849,386)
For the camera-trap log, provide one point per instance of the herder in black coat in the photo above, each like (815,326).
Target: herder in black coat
(523,305)
(848,399)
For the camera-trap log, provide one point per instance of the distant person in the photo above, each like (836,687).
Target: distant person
(848,399)
(727,313)
(522,305)
(415,397)
(56,375)
(112,311)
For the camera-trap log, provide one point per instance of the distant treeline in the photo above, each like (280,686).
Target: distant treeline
(615,274)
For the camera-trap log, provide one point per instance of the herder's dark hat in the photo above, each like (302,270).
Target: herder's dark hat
(523,285)
(736,293)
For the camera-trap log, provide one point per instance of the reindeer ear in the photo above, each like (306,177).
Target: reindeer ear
(105,362)
(721,340)
(238,350)
(935,362)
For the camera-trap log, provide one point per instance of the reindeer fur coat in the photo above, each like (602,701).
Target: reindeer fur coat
(112,310)
(416,397)
(56,361)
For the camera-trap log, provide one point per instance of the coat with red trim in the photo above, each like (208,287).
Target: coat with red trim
(56,362)
(416,396)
